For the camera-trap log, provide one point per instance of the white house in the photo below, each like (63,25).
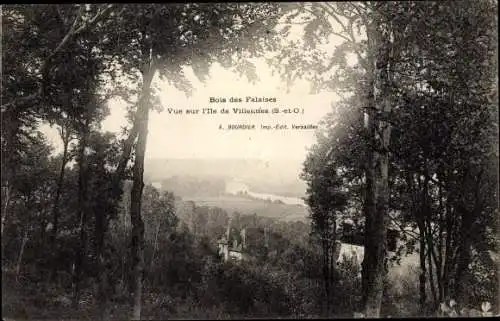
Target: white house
(229,248)
(351,246)
(233,251)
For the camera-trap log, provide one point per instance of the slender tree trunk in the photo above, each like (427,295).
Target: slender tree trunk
(332,258)
(450,226)
(326,279)
(437,265)
(442,243)
(82,211)
(422,253)
(430,264)
(55,209)
(6,200)
(60,181)
(464,259)
(417,214)
(101,226)
(463,255)
(467,229)
(21,252)
(376,210)
(423,272)
(11,123)
(136,195)
(155,247)
(428,214)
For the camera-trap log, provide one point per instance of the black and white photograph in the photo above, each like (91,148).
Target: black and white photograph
(250,160)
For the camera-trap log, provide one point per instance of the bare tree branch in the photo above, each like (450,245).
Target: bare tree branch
(334,15)
(398,223)
(66,38)
(92,21)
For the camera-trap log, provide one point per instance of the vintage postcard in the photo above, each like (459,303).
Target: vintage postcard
(250,160)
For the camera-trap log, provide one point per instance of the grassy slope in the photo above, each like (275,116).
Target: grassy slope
(233,203)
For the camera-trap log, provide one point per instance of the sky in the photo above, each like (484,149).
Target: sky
(199,136)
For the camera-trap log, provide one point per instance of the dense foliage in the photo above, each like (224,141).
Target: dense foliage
(412,144)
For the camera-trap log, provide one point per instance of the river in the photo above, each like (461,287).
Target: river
(285,199)
(237,187)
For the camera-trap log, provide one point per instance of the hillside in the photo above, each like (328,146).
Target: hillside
(247,206)
(278,176)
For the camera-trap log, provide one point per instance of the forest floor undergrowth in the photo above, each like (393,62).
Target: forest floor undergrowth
(23,299)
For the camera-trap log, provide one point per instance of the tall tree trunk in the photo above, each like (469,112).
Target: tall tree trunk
(432,284)
(441,242)
(21,252)
(65,136)
(11,123)
(6,199)
(464,259)
(155,245)
(417,213)
(326,278)
(431,242)
(332,258)
(137,187)
(369,211)
(422,231)
(101,226)
(423,272)
(82,212)
(433,258)
(377,177)
(463,255)
(449,244)
(466,230)
(60,180)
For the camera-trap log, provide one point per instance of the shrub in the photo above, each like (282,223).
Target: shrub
(452,309)
(346,288)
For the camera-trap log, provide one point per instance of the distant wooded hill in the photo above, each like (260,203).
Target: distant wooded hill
(279,177)
(193,186)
